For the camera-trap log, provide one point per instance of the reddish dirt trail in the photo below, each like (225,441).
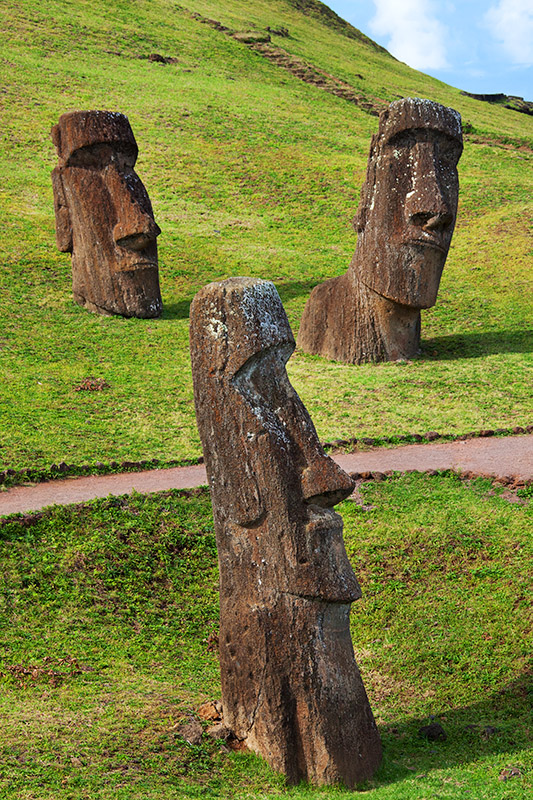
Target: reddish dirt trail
(508,456)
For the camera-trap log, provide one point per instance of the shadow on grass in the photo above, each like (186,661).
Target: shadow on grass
(476,345)
(288,291)
(179,310)
(493,727)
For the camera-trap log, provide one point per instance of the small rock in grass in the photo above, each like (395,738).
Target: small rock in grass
(212,710)
(433,732)
(510,772)
(191,732)
(219,731)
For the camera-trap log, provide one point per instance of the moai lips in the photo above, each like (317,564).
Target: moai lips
(104,216)
(405,224)
(291,689)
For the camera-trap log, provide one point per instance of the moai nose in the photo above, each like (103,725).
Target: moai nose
(135,228)
(426,205)
(137,233)
(324,483)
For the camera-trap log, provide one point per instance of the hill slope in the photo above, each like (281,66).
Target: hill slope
(253,153)
(109,617)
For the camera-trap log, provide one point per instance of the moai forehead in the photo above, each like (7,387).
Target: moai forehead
(237,319)
(78,129)
(413,113)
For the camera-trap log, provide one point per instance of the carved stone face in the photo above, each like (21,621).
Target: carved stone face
(409,202)
(269,473)
(104,216)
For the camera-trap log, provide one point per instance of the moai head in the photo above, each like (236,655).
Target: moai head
(104,216)
(267,469)
(408,203)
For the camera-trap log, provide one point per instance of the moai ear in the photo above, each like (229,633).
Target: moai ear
(229,458)
(63,222)
(367,190)
(55,135)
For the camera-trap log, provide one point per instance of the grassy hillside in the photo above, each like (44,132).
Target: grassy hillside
(251,171)
(109,616)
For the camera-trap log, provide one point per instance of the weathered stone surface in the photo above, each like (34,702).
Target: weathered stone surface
(290,685)
(191,731)
(104,216)
(405,223)
(219,731)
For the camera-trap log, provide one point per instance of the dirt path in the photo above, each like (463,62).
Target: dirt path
(508,456)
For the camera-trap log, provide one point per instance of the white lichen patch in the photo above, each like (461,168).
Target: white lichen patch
(263,312)
(216,328)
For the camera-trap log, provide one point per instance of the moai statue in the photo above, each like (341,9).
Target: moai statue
(405,223)
(291,689)
(104,216)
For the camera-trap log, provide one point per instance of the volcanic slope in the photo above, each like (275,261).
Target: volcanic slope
(253,121)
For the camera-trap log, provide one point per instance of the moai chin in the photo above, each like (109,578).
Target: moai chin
(291,689)
(405,223)
(104,216)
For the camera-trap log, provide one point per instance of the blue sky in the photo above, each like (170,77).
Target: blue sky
(482,47)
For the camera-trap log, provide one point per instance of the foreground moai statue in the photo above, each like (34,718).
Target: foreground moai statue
(104,216)
(405,223)
(291,689)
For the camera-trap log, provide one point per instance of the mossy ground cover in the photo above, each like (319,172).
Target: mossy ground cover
(251,171)
(108,613)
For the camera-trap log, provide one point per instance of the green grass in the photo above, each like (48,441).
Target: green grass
(253,172)
(109,608)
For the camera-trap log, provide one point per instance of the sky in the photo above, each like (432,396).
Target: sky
(480,47)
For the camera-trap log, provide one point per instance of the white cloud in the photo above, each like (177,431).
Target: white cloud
(416,35)
(511,23)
